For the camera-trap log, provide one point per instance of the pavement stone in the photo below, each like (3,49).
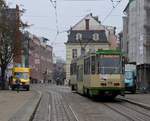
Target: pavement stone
(18,106)
(27,111)
(11,102)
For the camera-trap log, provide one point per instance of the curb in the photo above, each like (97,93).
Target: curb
(146,106)
(27,112)
(37,105)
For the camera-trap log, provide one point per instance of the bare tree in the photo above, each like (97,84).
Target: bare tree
(8,45)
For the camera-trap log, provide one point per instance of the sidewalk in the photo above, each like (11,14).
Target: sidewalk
(142,100)
(12,103)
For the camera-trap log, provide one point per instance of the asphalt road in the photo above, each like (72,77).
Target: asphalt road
(58,103)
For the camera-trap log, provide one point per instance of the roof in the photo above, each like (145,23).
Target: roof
(109,52)
(87,36)
(95,25)
(130,1)
(90,15)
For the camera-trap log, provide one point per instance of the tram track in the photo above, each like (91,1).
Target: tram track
(61,105)
(90,102)
(60,110)
(138,109)
(128,112)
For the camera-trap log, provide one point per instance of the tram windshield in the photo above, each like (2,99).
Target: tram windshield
(110,64)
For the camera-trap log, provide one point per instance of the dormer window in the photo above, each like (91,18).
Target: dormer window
(78,36)
(95,36)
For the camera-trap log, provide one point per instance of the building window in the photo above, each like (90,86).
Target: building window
(78,36)
(74,53)
(95,36)
(73,69)
(127,47)
(87,24)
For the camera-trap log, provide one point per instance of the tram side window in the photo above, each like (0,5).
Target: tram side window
(87,66)
(98,67)
(70,69)
(93,63)
(84,66)
(97,63)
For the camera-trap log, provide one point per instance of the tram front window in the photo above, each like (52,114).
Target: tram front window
(110,65)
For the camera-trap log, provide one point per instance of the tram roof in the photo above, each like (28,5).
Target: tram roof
(109,52)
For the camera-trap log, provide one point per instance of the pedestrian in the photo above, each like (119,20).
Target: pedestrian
(18,84)
(10,82)
(0,81)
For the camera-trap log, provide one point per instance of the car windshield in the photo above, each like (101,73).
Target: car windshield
(128,74)
(21,75)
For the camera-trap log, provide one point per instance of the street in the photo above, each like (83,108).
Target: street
(58,103)
(59,59)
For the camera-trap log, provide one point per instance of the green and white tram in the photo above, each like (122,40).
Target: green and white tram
(99,73)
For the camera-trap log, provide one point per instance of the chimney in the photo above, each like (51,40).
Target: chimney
(87,24)
(96,18)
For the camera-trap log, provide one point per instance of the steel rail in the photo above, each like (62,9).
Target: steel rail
(130,117)
(66,107)
(141,112)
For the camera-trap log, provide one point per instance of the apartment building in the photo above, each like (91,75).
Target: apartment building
(136,39)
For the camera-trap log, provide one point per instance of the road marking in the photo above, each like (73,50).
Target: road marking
(49,110)
(73,113)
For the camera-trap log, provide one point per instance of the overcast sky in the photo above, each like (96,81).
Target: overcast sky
(41,14)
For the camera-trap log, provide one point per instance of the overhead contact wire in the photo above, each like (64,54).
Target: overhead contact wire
(118,2)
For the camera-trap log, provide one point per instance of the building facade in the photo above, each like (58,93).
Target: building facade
(88,35)
(136,39)
(40,59)
(59,73)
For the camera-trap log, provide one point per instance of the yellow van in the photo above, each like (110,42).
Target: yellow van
(23,75)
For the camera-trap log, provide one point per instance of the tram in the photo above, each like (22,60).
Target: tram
(98,74)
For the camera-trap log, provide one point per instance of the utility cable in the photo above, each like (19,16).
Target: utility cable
(118,2)
(54,4)
(112,3)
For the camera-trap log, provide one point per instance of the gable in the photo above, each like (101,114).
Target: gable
(93,24)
